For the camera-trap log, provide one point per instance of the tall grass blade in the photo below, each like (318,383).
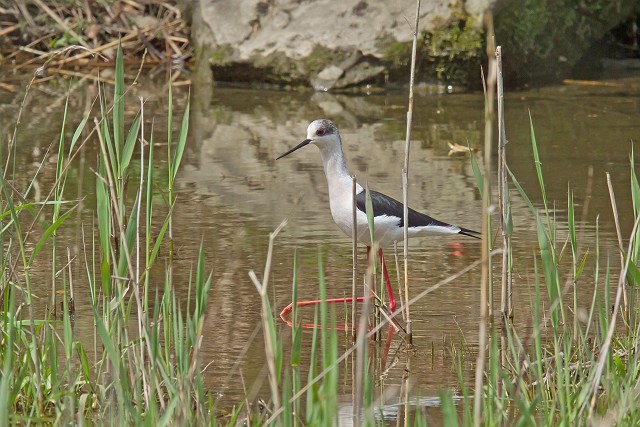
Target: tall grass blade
(538,164)
(118,109)
(44,239)
(181,144)
(130,144)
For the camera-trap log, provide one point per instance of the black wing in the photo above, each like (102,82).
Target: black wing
(385,205)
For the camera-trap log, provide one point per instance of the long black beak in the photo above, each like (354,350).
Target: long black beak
(302,144)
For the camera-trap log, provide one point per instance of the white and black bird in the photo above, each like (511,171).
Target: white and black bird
(387,212)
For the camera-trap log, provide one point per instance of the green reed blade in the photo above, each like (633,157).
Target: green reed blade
(9,335)
(635,197)
(635,187)
(78,132)
(296,329)
(203,285)
(182,142)
(118,109)
(130,232)
(548,269)
(169,124)
(312,393)
(130,143)
(538,164)
(120,383)
(449,411)
(103,211)
(29,207)
(323,311)
(582,264)
(149,200)
(571,224)
(633,273)
(59,188)
(287,414)
(168,418)
(47,233)
(524,196)
(112,160)
(84,361)
(370,215)
(159,239)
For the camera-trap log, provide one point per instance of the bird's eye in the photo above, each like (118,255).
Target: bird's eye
(321,132)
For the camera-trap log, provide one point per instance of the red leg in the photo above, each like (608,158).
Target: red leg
(387,346)
(387,282)
(286,312)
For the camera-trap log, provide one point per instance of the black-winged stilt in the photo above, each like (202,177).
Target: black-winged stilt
(387,212)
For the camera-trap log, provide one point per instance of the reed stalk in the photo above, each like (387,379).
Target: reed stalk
(506,304)
(354,255)
(485,284)
(405,174)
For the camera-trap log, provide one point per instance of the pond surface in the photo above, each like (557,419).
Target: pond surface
(233,193)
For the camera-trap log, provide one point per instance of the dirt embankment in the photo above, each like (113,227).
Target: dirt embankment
(80,33)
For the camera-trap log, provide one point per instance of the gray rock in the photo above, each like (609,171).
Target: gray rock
(334,44)
(260,33)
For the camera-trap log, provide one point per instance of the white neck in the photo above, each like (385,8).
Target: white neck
(340,185)
(335,169)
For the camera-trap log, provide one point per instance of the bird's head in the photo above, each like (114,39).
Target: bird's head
(322,133)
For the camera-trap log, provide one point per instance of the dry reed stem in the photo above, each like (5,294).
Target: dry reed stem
(265,313)
(78,74)
(486,204)
(405,174)
(142,316)
(400,291)
(506,304)
(9,29)
(71,309)
(506,307)
(354,255)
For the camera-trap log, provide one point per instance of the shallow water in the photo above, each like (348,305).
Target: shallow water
(232,194)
